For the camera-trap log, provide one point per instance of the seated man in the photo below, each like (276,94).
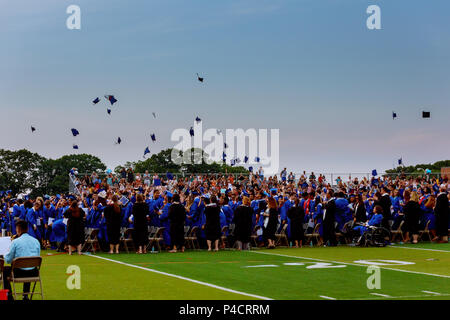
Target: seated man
(375,221)
(23,245)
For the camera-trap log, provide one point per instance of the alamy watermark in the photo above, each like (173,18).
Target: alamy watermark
(255,147)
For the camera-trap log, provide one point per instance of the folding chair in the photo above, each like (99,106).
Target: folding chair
(186,235)
(425,231)
(26,262)
(2,264)
(192,239)
(255,235)
(223,237)
(282,237)
(91,241)
(127,238)
(397,232)
(314,235)
(156,239)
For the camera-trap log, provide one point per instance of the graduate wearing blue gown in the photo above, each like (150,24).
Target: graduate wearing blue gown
(342,211)
(33,220)
(164,220)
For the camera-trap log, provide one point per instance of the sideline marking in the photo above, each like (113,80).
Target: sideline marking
(262,266)
(352,264)
(431,292)
(184,278)
(425,249)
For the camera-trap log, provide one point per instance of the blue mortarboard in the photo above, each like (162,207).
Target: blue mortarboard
(198,120)
(108,110)
(400,161)
(33,129)
(394,115)
(75,132)
(225,146)
(111,99)
(169,176)
(75,147)
(245,159)
(224,156)
(153,137)
(200,78)
(232,162)
(169,194)
(58,196)
(96,100)
(191,131)
(245,193)
(273,190)
(257,159)
(250,169)
(118,140)
(374,172)
(146,151)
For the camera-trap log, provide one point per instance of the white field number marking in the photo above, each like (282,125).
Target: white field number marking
(377,262)
(315,265)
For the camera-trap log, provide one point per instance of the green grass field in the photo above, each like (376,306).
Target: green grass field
(287,274)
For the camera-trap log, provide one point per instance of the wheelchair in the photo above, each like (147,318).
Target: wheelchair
(373,236)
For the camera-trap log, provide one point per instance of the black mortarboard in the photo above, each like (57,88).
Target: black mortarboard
(108,110)
(119,140)
(199,78)
(75,132)
(394,115)
(426,114)
(146,151)
(111,99)
(153,137)
(33,129)
(245,159)
(75,147)
(198,119)
(96,100)
(225,146)
(191,131)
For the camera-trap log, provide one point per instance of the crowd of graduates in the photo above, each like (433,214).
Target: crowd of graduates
(249,205)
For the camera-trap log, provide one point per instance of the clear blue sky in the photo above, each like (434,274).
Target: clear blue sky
(307,67)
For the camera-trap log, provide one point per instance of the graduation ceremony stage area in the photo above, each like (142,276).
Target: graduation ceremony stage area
(338,273)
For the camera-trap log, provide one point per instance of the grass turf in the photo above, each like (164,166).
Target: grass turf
(275,274)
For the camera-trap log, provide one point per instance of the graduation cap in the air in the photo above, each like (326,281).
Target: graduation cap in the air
(118,140)
(111,99)
(96,100)
(250,169)
(33,129)
(232,162)
(374,172)
(108,110)
(400,161)
(426,114)
(75,132)
(245,159)
(225,146)
(200,78)
(394,115)
(198,120)
(153,137)
(224,157)
(146,151)
(257,159)
(154,115)
(75,147)
(191,131)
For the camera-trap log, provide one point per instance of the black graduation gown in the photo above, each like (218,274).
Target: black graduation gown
(75,226)
(385,203)
(442,213)
(360,213)
(177,217)
(243,223)
(328,222)
(271,228)
(412,214)
(296,215)
(113,222)
(212,225)
(140,232)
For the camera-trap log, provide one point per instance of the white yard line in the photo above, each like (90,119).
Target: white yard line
(403,297)
(329,298)
(431,292)
(381,295)
(424,249)
(352,264)
(183,278)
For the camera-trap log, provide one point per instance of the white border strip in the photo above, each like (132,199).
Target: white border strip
(381,295)
(182,278)
(352,264)
(424,249)
(329,298)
